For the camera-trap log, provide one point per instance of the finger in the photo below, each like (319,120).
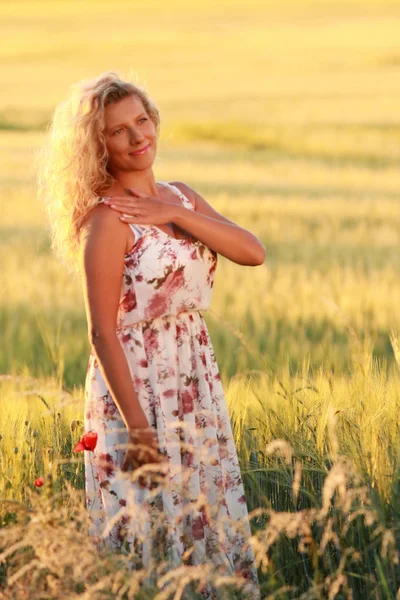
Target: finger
(124,206)
(154,456)
(131,218)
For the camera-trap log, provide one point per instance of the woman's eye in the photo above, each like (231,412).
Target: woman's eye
(142,119)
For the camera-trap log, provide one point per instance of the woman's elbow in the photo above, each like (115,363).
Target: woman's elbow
(101,335)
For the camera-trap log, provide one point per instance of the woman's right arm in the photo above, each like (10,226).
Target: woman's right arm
(102,251)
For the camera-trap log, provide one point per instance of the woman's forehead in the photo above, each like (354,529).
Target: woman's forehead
(130,105)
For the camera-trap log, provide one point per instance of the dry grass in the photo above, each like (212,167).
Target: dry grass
(321,485)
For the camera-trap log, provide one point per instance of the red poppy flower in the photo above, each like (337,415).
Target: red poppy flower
(87,442)
(39,482)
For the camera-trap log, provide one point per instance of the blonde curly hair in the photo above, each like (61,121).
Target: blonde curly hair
(71,165)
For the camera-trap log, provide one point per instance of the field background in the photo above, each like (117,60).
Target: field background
(285,117)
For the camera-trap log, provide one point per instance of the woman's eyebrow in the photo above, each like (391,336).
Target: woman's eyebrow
(118,124)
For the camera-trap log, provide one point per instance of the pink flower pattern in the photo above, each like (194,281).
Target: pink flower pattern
(167,282)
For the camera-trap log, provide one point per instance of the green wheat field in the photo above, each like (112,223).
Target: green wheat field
(285,117)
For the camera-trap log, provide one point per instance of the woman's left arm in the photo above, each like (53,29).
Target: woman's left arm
(216,231)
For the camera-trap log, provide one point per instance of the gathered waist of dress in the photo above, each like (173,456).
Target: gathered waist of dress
(161,319)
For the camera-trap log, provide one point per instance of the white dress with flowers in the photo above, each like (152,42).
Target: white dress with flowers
(198,516)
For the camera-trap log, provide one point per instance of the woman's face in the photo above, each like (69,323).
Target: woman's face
(128,128)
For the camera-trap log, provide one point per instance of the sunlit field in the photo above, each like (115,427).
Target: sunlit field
(285,117)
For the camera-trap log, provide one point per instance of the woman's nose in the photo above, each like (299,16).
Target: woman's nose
(135,136)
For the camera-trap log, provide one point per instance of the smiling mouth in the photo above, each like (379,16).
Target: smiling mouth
(137,152)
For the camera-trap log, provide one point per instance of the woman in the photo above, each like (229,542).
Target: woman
(153,392)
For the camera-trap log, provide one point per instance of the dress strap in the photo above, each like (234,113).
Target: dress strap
(185,201)
(137,227)
(137,230)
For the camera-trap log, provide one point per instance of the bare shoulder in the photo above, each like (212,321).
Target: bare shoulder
(101,215)
(186,190)
(103,224)
(200,204)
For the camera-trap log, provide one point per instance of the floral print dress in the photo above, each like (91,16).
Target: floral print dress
(199,516)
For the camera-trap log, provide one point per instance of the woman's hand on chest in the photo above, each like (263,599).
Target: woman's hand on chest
(139,207)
